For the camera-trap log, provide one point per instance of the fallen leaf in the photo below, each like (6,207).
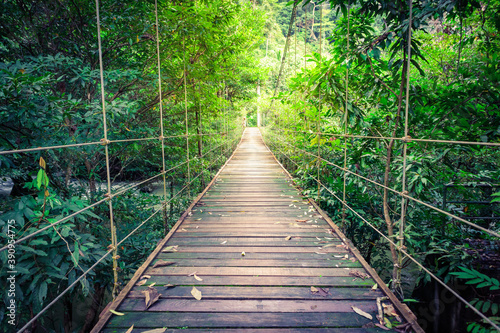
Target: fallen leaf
(300,220)
(324,291)
(146,276)
(151,296)
(169,286)
(387,323)
(196,293)
(130,329)
(152,284)
(156,330)
(313,307)
(389,310)
(210,213)
(243,253)
(375,286)
(359,274)
(170,249)
(314,289)
(288,237)
(224,242)
(198,219)
(141,282)
(328,245)
(198,278)
(362,313)
(320,252)
(116,313)
(162,263)
(192,274)
(353,259)
(183,229)
(318,238)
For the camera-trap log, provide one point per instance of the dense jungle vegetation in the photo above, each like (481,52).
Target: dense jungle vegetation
(220,65)
(453,96)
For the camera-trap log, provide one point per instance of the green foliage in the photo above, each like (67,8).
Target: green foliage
(50,95)
(453,96)
(486,307)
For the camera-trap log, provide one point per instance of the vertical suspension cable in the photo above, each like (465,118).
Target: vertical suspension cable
(200,138)
(405,147)
(305,37)
(186,117)
(318,124)
(162,137)
(106,149)
(346,118)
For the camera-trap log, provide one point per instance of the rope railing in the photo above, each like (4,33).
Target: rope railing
(401,193)
(97,143)
(85,273)
(224,140)
(404,138)
(398,246)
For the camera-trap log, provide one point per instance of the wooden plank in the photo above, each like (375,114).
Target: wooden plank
(237,320)
(253,330)
(281,306)
(262,281)
(249,256)
(241,293)
(261,249)
(251,271)
(252,241)
(243,262)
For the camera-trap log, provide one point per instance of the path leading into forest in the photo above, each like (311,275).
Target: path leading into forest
(262,258)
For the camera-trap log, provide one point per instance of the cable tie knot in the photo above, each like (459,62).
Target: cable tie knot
(406,139)
(108,196)
(105,142)
(116,257)
(161,138)
(405,193)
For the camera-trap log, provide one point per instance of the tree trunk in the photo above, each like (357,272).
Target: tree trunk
(387,216)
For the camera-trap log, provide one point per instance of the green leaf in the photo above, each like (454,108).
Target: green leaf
(76,255)
(474,281)
(42,291)
(484,284)
(486,306)
(39,177)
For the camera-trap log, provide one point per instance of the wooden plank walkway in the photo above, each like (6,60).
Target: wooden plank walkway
(254,248)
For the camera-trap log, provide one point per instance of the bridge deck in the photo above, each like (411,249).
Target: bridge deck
(254,248)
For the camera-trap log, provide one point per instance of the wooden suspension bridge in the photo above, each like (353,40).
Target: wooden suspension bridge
(251,254)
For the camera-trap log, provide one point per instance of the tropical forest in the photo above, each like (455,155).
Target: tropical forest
(250,165)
